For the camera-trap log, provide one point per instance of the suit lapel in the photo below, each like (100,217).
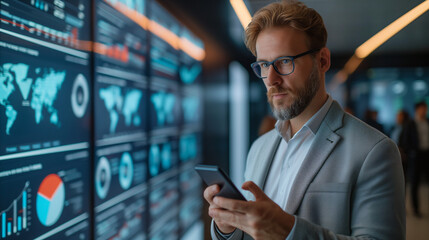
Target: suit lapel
(325,141)
(265,159)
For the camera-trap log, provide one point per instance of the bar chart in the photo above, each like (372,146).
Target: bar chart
(14,219)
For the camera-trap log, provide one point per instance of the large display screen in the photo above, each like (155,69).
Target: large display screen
(120,72)
(120,95)
(100,121)
(164,44)
(120,191)
(45,130)
(190,75)
(43,196)
(45,75)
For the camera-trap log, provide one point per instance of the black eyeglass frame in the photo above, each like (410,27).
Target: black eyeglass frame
(292,58)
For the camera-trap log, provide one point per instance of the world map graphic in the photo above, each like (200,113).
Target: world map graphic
(42,83)
(117,104)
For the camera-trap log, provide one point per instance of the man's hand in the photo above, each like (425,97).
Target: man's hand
(209,194)
(261,219)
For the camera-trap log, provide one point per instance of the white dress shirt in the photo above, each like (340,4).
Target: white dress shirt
(290,155)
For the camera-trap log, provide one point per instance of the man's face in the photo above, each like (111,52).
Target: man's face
(422,111)
(288,95)
(400,118)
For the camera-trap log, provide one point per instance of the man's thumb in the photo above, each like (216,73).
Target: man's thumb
(255,190)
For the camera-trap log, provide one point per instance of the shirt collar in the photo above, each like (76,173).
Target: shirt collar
(283,127)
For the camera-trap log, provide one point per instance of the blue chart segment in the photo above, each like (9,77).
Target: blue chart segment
(15,219)
(50,200)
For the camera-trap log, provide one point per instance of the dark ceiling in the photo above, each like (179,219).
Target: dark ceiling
(349,24)
(215,22)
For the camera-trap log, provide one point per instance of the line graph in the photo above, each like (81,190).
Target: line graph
(71,38)
(14,218)
(66,38)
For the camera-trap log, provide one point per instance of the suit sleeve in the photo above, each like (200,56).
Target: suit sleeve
(238,234)
(216,235)
(377,201)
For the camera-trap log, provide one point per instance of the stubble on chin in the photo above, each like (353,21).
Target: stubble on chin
(279,109)
(301,99)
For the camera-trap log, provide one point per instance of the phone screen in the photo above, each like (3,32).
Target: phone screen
(212,174)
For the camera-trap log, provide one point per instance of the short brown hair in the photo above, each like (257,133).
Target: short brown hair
(287,13)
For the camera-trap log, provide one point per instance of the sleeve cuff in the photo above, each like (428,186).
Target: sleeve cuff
(292,232)
(217,234)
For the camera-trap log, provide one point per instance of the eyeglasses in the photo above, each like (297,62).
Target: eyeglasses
(282,65)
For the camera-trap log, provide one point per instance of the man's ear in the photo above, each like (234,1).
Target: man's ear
(325,59)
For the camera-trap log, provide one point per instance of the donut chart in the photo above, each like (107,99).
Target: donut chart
(154,160)
(80,96)
(126,170)
(102,178)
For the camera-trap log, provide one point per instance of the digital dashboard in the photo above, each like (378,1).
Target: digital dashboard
(100,121)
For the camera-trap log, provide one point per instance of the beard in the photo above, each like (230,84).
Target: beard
(303,99)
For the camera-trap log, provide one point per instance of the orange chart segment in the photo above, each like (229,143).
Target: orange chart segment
(50,185)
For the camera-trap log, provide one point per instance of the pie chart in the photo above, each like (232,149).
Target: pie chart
(50,200)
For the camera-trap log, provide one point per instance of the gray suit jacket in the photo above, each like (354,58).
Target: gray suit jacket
(350,185)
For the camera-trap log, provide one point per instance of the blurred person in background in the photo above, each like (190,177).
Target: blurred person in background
(371,119)
(321,173)
(267,124)
(419,166)
(349,110)
(404,134)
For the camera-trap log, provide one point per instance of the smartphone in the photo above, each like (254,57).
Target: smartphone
(212,174)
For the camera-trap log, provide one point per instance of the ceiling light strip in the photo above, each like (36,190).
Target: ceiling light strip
(377,40)
(242,12)
(374,42)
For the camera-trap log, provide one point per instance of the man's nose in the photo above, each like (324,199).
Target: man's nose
(273,77)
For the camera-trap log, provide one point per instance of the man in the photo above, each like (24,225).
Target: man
(404,134)
(321,173)
(419,164)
